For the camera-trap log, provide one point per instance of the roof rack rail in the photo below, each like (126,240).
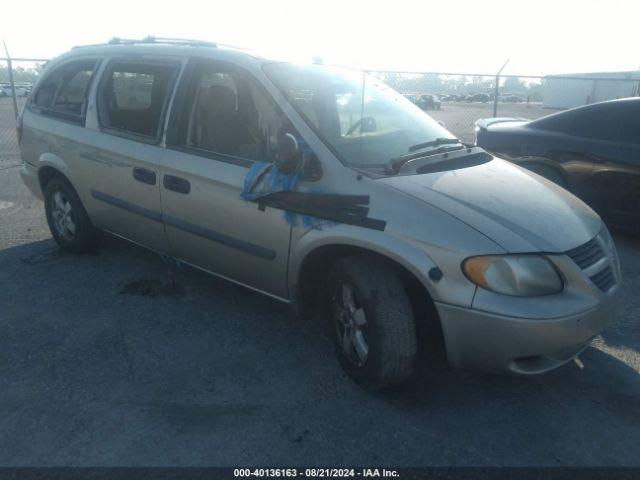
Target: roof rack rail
(160,40)
(152,39)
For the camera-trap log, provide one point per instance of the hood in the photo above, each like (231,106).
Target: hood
(517,209)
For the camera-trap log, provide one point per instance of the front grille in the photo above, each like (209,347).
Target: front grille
(604,279)
(587,254)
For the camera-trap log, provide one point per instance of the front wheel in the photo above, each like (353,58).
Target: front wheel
(68,220)
(373,323)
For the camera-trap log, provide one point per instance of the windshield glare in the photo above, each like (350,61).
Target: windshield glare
(364,120)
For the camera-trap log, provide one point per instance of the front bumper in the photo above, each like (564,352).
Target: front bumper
(29,176)
(486,341)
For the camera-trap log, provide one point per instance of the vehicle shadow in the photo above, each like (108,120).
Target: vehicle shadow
(141,273)
(563,416)
(107,341)
(593,369)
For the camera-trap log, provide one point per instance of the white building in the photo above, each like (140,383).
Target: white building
(568,91)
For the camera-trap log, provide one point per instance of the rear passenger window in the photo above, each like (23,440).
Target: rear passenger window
(134,96)
(64,91)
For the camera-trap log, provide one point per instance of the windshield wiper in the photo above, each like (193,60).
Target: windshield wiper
(434,143)
(395,164)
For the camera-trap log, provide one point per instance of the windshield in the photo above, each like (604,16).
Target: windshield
(367,123)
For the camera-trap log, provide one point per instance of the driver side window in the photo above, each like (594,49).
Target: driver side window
(227,113)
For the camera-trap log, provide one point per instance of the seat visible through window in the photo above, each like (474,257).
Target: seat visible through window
(218,124)
(228,113)
(133,97)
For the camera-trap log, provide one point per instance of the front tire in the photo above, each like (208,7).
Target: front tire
(372,322)
(68,221)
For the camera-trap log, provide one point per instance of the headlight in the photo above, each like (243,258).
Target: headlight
(521,275)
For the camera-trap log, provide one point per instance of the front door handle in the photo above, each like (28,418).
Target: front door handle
(176,184)
(145,176)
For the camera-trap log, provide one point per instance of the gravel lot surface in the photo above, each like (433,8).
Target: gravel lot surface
(103,362)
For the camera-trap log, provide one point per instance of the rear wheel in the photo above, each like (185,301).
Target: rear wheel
(373,324)
(68,220)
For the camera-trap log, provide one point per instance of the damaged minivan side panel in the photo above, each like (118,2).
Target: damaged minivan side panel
(294,179)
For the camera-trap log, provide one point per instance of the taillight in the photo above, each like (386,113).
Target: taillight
(19,129)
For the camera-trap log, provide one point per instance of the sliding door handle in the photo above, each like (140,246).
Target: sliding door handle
(145,176)
(176,184)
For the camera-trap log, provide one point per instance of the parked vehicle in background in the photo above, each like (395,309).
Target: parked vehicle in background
(6,91)
(511,99)
(324,188)
(25,88)
(412,97)
(478,97)
(592,151)
(429,102)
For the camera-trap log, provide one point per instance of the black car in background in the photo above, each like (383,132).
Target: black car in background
(478,97)
(511,99)
(429,102)
(592,151)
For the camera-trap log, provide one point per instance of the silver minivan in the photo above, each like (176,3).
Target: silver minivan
(323,188)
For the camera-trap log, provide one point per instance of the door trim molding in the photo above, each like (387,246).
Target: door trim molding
(124,205)
(214,236)
(221,238)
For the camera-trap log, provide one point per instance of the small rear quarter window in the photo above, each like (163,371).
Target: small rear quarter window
(64,91)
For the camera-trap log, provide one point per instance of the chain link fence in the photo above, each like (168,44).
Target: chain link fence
(17,77)
(457,100)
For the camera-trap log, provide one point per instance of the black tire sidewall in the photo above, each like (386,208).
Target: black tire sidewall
(372,375)
(364,375)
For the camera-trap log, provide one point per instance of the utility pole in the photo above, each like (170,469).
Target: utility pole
(495,95)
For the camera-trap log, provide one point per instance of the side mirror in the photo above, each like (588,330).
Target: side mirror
(288,158)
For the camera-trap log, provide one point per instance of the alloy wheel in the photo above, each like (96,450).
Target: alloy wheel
(62,215)
(350,325)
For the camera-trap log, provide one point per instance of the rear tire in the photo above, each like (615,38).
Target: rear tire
(372,322)
(68,221)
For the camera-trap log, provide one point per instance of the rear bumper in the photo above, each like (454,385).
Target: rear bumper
(29,175)
(481,340)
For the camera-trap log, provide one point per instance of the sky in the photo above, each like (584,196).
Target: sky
(537,36)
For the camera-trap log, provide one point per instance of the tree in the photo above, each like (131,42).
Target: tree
(514,84)
(20,74)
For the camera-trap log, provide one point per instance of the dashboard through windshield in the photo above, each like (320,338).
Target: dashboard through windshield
(366,122)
